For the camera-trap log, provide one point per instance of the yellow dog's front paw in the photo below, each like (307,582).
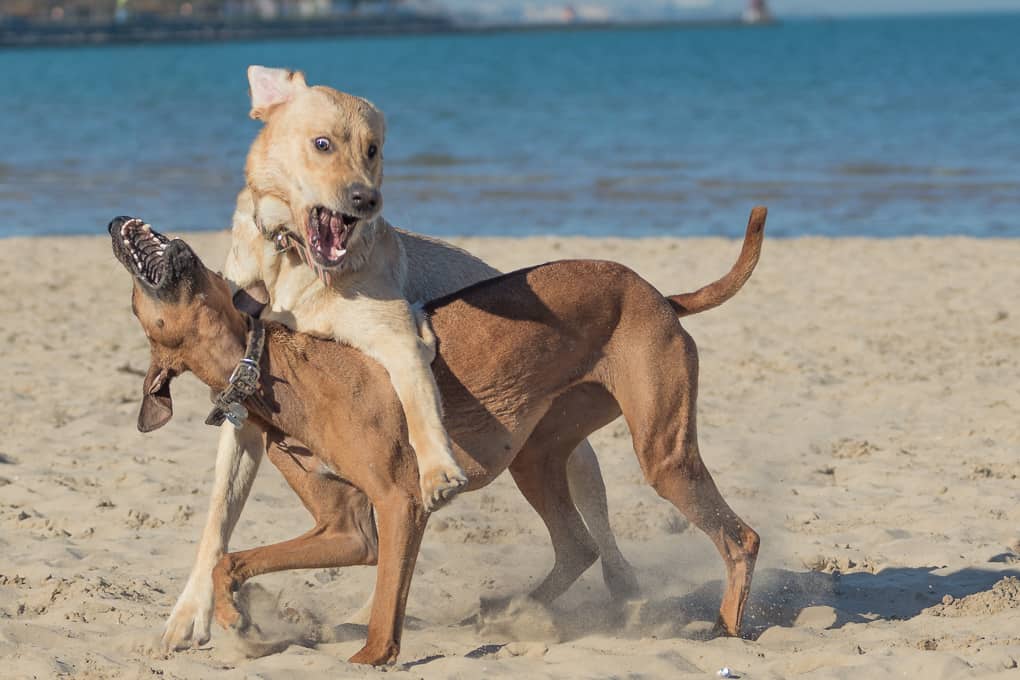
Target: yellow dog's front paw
(440,484)
(188,625)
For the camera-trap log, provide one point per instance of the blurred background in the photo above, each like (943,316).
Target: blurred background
(644,117)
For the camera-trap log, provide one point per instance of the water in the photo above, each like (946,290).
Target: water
(878,127)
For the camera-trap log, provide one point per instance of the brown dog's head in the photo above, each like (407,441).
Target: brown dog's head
(184,309)
(316,166)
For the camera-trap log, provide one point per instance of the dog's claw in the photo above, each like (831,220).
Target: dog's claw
(188,624)
(438,489)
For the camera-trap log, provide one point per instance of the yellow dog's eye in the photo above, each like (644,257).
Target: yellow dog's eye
(323,143)
(372,150)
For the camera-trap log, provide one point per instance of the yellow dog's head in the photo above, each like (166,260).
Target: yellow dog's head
(316,167)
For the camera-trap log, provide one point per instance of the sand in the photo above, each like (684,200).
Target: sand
(859,407)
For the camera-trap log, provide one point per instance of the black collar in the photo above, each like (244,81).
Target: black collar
(229,404)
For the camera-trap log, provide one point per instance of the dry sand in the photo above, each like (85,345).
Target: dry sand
(859,407)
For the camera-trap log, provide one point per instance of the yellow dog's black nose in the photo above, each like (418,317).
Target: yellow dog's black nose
(363,197)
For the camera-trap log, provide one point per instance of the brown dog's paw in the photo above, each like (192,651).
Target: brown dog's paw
(228,615)
(377,655)
(724,629)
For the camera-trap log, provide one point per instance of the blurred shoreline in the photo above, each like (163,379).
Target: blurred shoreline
(149,30)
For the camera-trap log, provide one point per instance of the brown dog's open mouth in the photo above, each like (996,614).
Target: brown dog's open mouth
(146,249)
(329,233)
(159,263)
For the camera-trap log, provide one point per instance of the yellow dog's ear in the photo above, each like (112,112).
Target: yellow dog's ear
(270,87)
(157,405)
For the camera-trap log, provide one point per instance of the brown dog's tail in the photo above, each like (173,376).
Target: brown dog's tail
(718,292)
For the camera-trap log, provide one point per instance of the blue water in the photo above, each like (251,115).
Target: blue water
(876,127)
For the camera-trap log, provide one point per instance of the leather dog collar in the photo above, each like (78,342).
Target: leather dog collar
(283,239)
(229,404)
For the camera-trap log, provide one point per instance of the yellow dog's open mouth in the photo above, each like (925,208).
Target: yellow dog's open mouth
(329,233)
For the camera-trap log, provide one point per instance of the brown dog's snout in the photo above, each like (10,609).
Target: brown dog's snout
(116,223)
(364,198)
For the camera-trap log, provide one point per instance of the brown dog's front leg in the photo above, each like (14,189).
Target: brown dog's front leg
(401,520)
(343,535)
(324,546)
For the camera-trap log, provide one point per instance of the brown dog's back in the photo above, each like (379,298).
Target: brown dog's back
(507,348)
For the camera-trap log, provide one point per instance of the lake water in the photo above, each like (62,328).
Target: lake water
(878,127)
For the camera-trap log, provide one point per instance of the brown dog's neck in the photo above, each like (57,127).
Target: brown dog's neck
(221,349)
(306,380)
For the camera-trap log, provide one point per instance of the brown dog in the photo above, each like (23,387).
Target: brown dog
(546,362)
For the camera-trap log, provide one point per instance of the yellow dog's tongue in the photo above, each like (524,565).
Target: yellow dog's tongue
(323,274)
(332,237)
(329,232)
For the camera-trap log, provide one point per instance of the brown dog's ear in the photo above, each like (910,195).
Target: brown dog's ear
(157,406)
(271,87)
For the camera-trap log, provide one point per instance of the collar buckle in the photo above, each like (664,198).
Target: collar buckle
(228,405)
(282,241)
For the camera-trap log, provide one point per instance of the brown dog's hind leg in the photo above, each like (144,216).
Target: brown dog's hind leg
(540,471)
(344,533)
(688,485)
(556,462)
(658,400)
(588,490)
